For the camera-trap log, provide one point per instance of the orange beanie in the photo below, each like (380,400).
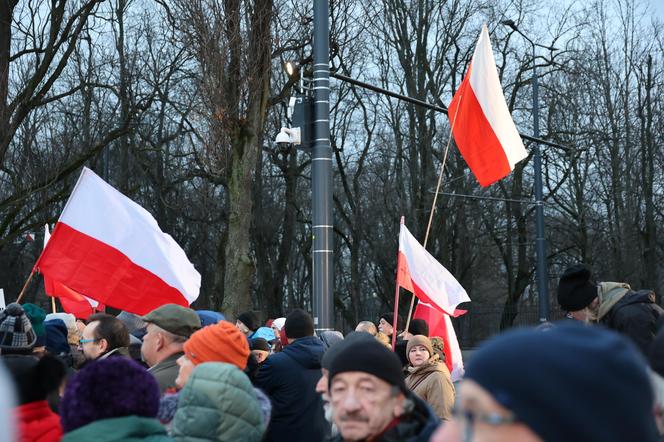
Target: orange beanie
(221,342)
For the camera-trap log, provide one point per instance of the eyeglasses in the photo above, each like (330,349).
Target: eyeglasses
(468,418)
(85,341)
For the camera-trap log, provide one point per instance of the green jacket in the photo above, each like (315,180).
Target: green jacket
(166,372)
(127,429)
(218,403)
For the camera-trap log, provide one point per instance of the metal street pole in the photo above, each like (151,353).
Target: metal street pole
(321,174)
(540,241)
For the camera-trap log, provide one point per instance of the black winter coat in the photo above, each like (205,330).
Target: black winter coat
(289,378)
(635,315)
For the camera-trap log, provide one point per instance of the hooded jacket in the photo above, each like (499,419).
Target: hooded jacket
(631,313)
(37,423)
(416,425)
(125,429)
(218,403)
(432,383)
(289,378)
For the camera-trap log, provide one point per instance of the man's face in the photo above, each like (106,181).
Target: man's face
(152,342)
(243,328)
(385,327)
(186,367)
(321,386)
(475,407)
(364,405)
(92,348)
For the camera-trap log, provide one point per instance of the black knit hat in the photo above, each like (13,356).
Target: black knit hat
(16,333)
(335,349)
(569,383)
(259,344)
(369,357)
(249,319)
(418,327)
(388,317)
(576,289)
(299,324)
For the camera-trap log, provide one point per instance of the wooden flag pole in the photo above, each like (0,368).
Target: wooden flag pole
(53,304)
(25,286)
(435,199)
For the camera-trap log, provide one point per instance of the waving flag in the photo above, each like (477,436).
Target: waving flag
(481,121)
(110,248)
(421,274)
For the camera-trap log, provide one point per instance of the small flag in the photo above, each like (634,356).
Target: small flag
(481,121)
(421,274)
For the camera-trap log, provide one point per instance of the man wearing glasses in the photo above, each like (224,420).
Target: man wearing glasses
(104,336)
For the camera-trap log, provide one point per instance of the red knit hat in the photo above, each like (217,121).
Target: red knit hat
(221,342)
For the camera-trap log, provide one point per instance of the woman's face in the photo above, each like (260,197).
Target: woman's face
(418,355)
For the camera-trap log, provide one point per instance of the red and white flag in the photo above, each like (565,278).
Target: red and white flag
(440,325)
(110,248)
(72,302)
(421,274)
(482,124)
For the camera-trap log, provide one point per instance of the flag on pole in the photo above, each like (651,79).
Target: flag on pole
(440,325)
(72,301)
(481,121)
(421,274)
(111,249)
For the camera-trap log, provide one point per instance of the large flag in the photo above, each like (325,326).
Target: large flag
(482,124)
(440,325)
(111,249)
(72,302)
(421,274)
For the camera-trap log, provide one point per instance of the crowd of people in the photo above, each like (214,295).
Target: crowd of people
(177,374)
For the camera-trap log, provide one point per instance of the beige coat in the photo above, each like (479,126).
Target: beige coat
(433,384)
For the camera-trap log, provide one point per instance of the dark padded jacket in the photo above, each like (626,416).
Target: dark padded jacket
(289,378)
(635,315)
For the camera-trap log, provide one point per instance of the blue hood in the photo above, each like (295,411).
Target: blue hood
(306,351)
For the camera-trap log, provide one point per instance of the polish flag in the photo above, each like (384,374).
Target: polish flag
(421,274)
(481,122)
(110,248)
(440,325)
(72,302)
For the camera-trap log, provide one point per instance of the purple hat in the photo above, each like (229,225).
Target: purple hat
(108,388)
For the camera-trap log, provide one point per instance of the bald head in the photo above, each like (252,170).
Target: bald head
(367,326)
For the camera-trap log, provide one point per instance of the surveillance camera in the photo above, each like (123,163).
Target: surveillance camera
(288,136)
(282,138)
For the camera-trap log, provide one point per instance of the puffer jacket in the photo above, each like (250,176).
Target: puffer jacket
(632,313)
(218,403)
(432,382)
(37,423)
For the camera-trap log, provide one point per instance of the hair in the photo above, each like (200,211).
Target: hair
(110,328)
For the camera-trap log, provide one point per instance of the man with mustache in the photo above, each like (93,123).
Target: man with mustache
(370,399)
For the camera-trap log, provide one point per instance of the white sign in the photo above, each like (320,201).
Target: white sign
(2,300)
